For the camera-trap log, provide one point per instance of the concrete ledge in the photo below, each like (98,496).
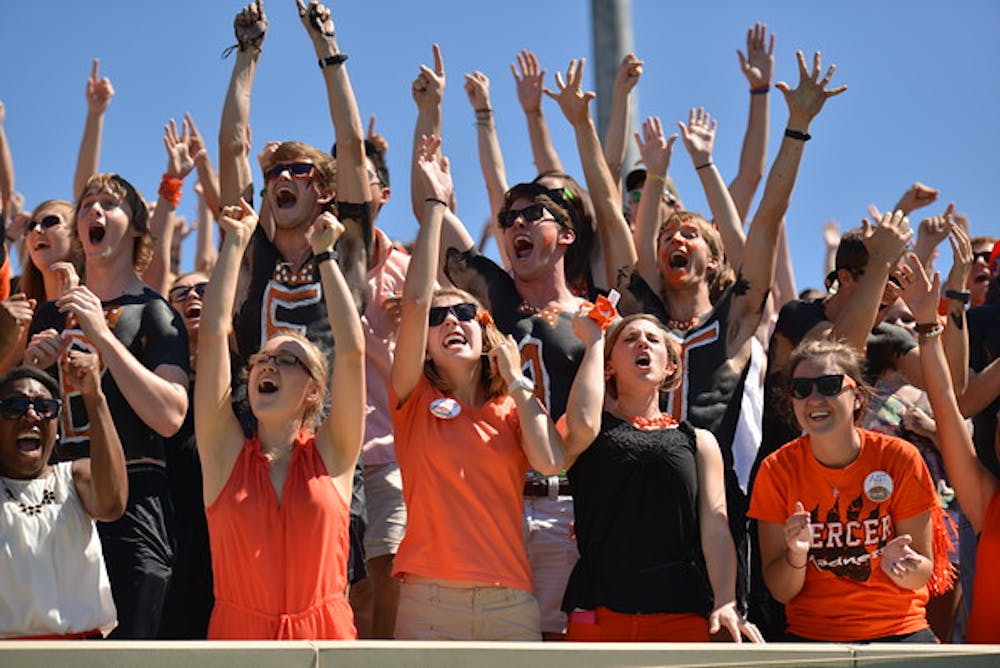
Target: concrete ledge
(304,654)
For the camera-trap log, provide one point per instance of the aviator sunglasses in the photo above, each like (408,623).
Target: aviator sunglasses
(14,408)
(46,223)
(296,169)
(464,312)
(530,213)
(828,386)
(181,292)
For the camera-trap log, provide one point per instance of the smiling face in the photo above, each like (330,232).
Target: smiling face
(185,298)
(103,223)
(47,242)
(978,283)
(27,441)
(454,343)
(641,358)
(280,385)
(684,256)
(535,246)
(817,413)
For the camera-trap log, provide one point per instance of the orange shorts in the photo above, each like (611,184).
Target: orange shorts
(604,625)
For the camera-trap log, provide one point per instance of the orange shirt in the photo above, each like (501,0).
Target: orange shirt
(846,595)
(280,568)
(984,621)
(4,274)
(463,482)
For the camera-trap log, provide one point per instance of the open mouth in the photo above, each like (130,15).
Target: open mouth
(455,340)
(96,234)
(41,245)
(818,415)
(29,442)
(267,386)
(193,311)
(678,260)
(522,246)
(982,278)
(642,361)
(285,197)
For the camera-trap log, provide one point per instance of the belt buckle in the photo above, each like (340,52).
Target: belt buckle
(553,483)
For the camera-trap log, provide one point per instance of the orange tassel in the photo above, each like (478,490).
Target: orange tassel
(943,576)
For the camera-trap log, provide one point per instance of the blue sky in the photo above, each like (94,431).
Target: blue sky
(921,105)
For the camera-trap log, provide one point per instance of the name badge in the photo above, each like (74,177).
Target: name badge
(445,408)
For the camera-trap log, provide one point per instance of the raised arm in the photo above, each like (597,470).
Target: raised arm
(930,233)
(217,431)
(655,151)
(206,252)
(698,136)
(974,485)
(235,177)
(831,240)
(804,103)
(208,179)
(6,173)
(616,135)
(955,338)
(757,66)
(582,421)
(100,480)
(612,227)
(434,187)
(340,435)
(477,88)
(161,224)
(529,78)
(428,92)
(99,94)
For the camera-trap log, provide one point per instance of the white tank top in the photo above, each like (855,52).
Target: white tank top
(52,575)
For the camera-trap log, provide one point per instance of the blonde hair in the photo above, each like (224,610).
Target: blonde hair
(492,383)
(614,332)
(123,191)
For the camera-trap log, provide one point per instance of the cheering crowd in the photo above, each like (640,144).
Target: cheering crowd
(626,428)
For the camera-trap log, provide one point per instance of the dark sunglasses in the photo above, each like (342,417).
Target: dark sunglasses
(50,221)
(464,312)
(296,169)
(14,408)
(181,292)
(530,213)
(828,386)
(281,360)
(984,256)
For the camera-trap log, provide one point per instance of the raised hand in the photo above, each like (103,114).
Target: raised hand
(380,143)
(180,162)
(428,87)
(653,148)
(962,259)
(920,292)
(433,170)
(477,88)
(250,26)
(16,313)
(758,63)
(574,102)
(89,312)
(798,536)
(195,143)
(627,75)
(266,156)
(917,196)
(806,100)
(886,242)
(699,135)
(239,221)
(83,372)
(505,358)
(316,19)
(99,90)
(324,233)
(529,79)
(932,231)
(66,277)
(44,349)
(831,234)
(584,326)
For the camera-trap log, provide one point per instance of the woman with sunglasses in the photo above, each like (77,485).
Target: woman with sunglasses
(53,582)
(467,427)
(657,562)
(850,529)
(277,503)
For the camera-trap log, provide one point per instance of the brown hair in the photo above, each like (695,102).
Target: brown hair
(31,283)
(846,357)
(325,176)
(724,275)
(318,369)
(123,191)
(492,383)
(614,332)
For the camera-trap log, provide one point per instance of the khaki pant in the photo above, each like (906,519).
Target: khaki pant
(433,612)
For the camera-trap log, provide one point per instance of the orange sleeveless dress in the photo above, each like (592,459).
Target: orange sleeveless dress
(280,569)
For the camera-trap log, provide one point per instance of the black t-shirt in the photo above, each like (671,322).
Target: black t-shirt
(984,347)
(154,334)
(550,351)
(635,498)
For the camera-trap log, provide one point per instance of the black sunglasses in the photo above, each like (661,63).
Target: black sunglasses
(181,292)
(530,213)
(828,386)
(46,223)
(464,312)
(14,408)
(296,169)
(984,256)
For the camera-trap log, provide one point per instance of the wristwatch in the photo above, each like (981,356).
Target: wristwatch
(523,383)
